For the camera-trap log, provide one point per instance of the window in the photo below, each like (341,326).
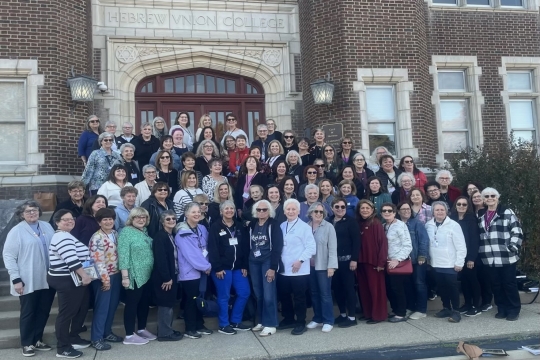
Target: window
(512,3)
(448,2)
(520,81)
(479,2)
(455,125)
(452,80)
(13,120)
(522,119)
(199,84)
(381,114)
(486,5)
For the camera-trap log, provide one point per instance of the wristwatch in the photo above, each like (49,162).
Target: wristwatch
(302,261)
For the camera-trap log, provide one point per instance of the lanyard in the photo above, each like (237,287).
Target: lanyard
(287,227)
(229,231)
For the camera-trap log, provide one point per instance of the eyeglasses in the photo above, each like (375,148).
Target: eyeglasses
(159,122)
(319,165)
(346,143)
(320,212)
(31,211)
(328,150)
(408,162)
(93,121)
(141,217)
(405,209)
(444,178)
(150,172)
(389,211)
(342,207)
(493,196)
(207,146)
(230,140)
(461,204)
(262,209)
(359,160)
(169,219)
(68,219)
(107,140)
(162,190)
(203,204)
(288,137)
(231,119)
(406,181)
(77,191)
(311,172)
(432,191)
(166,157)
(472,189)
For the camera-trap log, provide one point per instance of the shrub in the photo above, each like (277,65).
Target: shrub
(513,168)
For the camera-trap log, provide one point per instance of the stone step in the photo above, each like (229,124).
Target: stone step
(4,275)
(4,288)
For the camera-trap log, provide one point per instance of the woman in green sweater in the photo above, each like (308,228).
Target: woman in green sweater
(136,260)
(376,193)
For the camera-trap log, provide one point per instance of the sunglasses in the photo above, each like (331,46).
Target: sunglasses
(328,150)
(409,162)
(346,143)
(318,212)
(231,119)
(141,217)
(107,140)
(389,211)
(288,137)
(461,204)
(262,210)
(162,190)
(165,157)
(319,166)
(93,121)
(312,173)
(342,207)
(493,196)
(170,219)
(203,204)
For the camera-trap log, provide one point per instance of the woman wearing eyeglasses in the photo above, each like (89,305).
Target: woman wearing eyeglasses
(203,202)
(157,203)
(211,180)
(207,151)
(303,150)
(463,214)
(294,163)
(420,210)
(360,169)
(265,246)
(289,142)
(91,132)
(406,164)
(310,177)
(376,156)
(448,192)
(406,183)
(347,153)
(399,249)
(165,276)
(222,192)
(145,187)
(501,236)
(136,261)
(332,162)
(249,175)
(470,187)
(371,263)
(377,194)
(100,163)
(159,127)
(189,189)
(75,202)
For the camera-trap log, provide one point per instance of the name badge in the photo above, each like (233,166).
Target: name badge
(133,176)
(257,253)
(284,243)
(348,204)
(205,253)
(245,195)
(222,232)
(233,241)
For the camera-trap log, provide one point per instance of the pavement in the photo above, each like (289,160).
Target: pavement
(429,332)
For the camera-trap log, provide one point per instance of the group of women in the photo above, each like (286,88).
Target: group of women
(307,221)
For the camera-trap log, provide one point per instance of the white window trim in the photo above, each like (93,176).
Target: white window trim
(510,64)
(399,78)
(26,70)
(473,94)
(495,5)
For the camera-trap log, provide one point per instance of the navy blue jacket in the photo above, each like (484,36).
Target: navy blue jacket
(419,238)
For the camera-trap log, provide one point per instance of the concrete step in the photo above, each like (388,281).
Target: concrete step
(4,288)
(4,275)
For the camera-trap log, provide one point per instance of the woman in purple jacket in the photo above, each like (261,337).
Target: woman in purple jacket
(191,240)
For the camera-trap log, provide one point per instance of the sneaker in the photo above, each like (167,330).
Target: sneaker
(464,309)
(313,325)
(227,330)
(486,307)
(28,351)
(192,335)
(204,331)
(417,315)
(69,354)
(113,338)
(145,334)
(259,327)
(135,340)
(397,319)
(101,345)
(432,296)
(299,330)
(473,312)
(286,324)
(267,331)
(372,322)
(444,313)
(347,323)
(41,346)
(327,328)
(175,336)
(240,327)
(512,317)
(500,315)
(80,344)
(339,319)
(455,317)
(408,313)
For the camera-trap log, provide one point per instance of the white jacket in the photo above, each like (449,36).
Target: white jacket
(144,192)
(447,246)
(298,244)
(112,192)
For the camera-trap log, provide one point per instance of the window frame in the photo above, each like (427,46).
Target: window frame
(24,121)
(393,121)
(466,130)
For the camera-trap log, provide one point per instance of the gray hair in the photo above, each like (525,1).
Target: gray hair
(314,206)
(293,152)
(441,203)
(215,151)
(291,201)
(444,172)
(148,167)
(138,211)
(127,145)
(19,210)
(262,126)
(191,205)
(166,213)
(358,155)
(406,174)
(226,203)
(128,124)
(75,184)
(146,124)
(309,187)
(110,123)
(373,157)
(104,135)
(154,130)
(87,124)
(490,191)
(272,120)
(271,209)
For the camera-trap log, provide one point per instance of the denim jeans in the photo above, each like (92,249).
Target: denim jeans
(321,295)
(105,305)
(265,292)
(417,291)
(240,283)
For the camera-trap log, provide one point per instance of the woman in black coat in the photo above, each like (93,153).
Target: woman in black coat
(250,174)
(165,276)
(157,203)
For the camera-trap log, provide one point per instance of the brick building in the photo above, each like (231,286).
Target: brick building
(423,77)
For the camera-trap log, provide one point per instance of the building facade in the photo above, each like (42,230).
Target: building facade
(422,77)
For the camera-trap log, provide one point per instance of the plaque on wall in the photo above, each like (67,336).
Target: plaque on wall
(334,133)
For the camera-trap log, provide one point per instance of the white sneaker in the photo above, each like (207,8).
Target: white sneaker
(417,315)
(408,313)
(313,325)
(259,327)
(267,331)
(327,328)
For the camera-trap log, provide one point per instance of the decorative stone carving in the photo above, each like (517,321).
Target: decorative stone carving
(256,54)
(144,51)
(272,57)
(126,54)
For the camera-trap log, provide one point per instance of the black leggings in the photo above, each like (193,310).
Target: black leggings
(137,303)
(343,284)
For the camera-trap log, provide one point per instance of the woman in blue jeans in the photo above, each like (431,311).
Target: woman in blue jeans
(416,293)
(227,255)
(265,245)
(322,267)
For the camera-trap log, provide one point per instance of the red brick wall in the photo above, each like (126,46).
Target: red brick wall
(57,34)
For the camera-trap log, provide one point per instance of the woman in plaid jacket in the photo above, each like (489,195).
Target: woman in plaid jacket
(500,240)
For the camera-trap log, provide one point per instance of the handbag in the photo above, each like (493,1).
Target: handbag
(208,308)
(403,268)
(46,200)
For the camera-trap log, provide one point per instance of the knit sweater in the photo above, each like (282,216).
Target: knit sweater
(135,255)
(399,240)
(103,249)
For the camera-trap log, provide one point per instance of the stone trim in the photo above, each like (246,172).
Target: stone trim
(529,6)
(400,79)
(37,180)
(28,71)
(510,63)
(470,65)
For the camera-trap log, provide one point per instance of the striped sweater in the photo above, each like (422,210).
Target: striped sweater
(66,254)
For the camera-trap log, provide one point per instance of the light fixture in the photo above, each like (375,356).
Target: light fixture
(323,91)
(82,88)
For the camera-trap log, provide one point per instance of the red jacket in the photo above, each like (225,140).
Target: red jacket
(236,158)
(453,193)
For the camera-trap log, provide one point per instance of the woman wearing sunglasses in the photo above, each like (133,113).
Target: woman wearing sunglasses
(90,134)
(501,236)
(347,153)
(462,212)
(165,171)
(289,142)
(332,162)
(100,163)
(310,177)
(406,164)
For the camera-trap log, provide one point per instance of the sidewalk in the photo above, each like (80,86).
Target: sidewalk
(249,345)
